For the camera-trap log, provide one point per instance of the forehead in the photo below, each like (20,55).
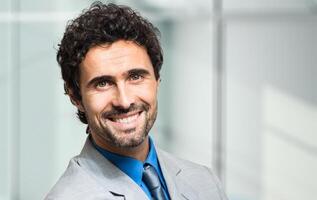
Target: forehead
(117,57)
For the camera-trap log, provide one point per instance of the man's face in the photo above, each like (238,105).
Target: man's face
(119,93)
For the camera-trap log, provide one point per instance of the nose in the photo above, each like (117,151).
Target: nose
(122,97)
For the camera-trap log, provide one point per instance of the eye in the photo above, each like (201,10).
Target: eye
(102,84)
(135,77)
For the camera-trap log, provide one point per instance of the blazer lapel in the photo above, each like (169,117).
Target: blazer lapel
(108,175)
(178,188)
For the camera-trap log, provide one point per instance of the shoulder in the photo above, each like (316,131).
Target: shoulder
(192,176)
(75,183)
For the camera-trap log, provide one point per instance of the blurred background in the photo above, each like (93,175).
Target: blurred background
(238,93)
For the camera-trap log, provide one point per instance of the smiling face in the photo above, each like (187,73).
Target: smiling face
(119,94)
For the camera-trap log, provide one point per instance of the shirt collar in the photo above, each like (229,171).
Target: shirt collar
(152,157)
(130,166)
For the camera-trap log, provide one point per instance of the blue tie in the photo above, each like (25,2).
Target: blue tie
(152,181)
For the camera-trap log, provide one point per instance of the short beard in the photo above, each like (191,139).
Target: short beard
(114,139)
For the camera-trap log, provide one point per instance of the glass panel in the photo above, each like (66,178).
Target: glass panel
(53,6)
(44,121)
(267,5)
(186,107)
(271,109)
(5,6)
(4,133)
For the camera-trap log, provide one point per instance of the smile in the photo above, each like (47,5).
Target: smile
(127,121)
(129,118)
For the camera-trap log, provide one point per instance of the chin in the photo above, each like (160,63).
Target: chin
(130,143)
(124,139)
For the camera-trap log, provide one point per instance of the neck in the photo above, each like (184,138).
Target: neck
(139,152)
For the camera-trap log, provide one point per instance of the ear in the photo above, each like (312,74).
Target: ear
(76,102)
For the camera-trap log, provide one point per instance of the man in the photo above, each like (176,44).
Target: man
(110,59)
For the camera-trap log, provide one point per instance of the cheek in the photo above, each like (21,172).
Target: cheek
(96,103)
(149,94)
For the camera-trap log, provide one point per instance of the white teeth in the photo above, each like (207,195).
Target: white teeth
(126,120)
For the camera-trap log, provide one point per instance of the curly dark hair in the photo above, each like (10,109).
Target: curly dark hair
(103,24)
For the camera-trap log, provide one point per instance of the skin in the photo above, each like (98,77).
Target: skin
(119,97)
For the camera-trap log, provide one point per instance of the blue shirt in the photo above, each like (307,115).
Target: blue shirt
(134,168)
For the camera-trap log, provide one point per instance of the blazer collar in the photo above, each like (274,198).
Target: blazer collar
(108,175)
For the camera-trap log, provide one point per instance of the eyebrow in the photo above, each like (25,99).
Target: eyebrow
(139,71)
(98,79)
(108,78)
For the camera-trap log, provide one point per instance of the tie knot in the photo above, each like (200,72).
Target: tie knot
(150,177)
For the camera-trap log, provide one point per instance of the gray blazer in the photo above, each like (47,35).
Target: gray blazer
(89,176)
